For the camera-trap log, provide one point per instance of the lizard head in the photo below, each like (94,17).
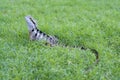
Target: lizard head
(31,23)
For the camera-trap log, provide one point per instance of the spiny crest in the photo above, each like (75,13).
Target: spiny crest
(52,40)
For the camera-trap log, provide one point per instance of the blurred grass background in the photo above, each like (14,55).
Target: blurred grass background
(90,23)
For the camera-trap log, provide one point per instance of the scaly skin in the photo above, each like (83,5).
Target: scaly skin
(37,34)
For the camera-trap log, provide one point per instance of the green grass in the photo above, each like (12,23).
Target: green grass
(92,23)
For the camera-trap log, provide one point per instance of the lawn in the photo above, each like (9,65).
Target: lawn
(90,23)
